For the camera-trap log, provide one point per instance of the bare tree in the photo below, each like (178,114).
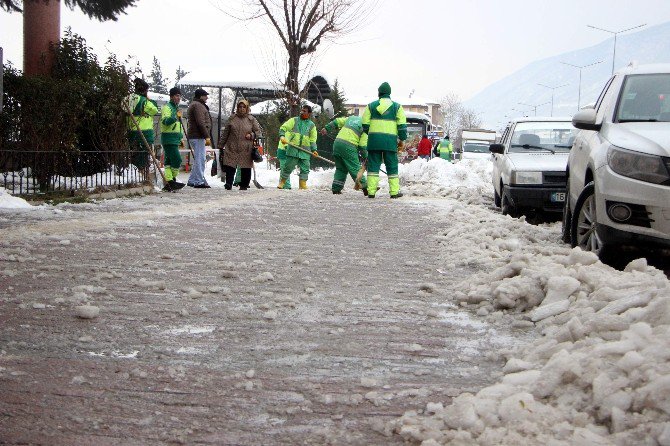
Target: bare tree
(302,25)
(451,108)
(469,119)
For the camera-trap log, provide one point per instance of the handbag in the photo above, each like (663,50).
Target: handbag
(256,155)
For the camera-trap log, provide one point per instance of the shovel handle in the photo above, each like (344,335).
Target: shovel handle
(307,151)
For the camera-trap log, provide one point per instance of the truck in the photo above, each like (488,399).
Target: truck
(474,144)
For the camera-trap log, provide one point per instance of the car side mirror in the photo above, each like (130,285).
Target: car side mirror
(586,120)
(497,148)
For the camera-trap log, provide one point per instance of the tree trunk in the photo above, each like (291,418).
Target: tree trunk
(41,26)
(292,87)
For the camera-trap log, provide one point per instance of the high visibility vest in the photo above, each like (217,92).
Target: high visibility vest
(171,130)
(143,109)
(351,131)
(385,123)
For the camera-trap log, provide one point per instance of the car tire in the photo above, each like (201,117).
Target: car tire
(496,198)
(567,217)
(506,206)
(583,225)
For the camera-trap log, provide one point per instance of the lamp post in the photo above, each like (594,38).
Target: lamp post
(615,34)
(552,94)
(579,90)
(534,107)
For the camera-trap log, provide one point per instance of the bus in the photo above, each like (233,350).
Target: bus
(418,125)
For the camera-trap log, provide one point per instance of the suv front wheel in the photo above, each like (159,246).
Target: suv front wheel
(583,228)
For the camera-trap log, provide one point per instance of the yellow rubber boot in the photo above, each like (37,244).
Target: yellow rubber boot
(282,183)
(303,184)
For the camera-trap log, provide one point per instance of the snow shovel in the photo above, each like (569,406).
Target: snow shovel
(307,151)
(149,148)
(256,183)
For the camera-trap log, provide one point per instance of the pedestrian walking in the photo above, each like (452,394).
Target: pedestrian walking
(349,141)
(445,149)
(237,142)
(143,110)
(199,136)
(386,126)
(171,138)
(298,132)
(424,148)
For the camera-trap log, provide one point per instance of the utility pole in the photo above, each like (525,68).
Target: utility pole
(534,107)
(579,90)
(552,94)
(615,34)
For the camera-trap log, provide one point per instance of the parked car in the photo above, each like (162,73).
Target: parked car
(529,165)
(619,167)
(474,144)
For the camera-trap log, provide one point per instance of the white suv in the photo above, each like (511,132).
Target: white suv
(529,165)
(619,166)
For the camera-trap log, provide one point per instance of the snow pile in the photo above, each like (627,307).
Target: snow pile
(467,179)
(8,201)
(599,375)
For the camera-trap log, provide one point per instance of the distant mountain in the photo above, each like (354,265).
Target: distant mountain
(650,45)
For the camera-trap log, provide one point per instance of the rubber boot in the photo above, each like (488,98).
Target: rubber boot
(303,184)
(282,183)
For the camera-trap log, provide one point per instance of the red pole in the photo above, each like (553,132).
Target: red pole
(41,26)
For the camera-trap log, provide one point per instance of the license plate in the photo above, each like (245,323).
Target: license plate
(558,197)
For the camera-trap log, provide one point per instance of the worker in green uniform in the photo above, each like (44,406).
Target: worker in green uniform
(143,110)
(349,141)
(281,156)
(298,132)
(386,126)
(171,138)
(445,149)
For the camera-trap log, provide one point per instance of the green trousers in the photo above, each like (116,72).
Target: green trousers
(289,165)
(281,156)
(172,161)
(390,160)
(140,156)
(346,162)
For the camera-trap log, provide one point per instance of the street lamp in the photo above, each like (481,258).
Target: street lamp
(579,90)
(534,107)
(615,34)
(552,94)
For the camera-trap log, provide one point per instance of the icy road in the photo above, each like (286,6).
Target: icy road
(292,317)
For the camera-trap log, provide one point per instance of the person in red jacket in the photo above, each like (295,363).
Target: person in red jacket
(424,148)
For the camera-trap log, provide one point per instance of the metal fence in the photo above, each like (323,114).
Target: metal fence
(39,172)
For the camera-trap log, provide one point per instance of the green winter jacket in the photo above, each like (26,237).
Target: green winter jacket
(384,121)
(143,109)
(350,133)
(171,131)
(301,133)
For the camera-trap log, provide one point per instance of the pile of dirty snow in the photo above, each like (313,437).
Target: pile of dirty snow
(465,180)
(600,374)
(8,201)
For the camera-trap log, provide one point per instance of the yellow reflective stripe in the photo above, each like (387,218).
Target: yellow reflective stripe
(383,126)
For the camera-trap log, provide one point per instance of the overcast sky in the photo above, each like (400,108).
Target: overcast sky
(433,47)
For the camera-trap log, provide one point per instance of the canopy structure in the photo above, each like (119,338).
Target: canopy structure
(255,91)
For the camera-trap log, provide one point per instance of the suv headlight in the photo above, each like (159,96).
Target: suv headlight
(643,167)
(527,177)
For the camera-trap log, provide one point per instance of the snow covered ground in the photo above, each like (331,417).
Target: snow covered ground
(598,372)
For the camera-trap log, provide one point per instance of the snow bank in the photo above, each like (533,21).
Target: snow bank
(600,373)
(8,201)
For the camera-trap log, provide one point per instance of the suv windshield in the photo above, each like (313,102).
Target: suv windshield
(476,148)
(542,137)
(645,98)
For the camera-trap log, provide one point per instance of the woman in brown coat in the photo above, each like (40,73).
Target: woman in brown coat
(237,137)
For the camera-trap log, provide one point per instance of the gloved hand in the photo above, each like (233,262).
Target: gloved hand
(283,140)
(247,136)
(315,153)
(181,144)
(324,132)
(178,114)
(401,146)
(208,142)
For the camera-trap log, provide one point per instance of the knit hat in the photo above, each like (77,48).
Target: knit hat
(384,89)
(199,93)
